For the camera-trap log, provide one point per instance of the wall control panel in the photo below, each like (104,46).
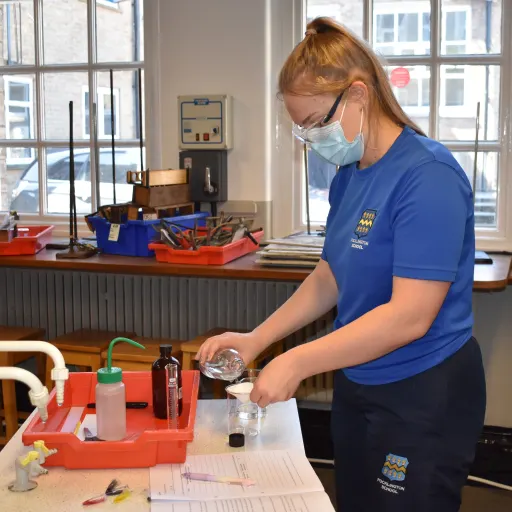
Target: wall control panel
(205,122)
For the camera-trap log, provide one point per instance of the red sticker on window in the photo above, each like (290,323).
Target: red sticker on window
(400,77)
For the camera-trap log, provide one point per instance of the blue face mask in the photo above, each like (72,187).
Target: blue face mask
(331,144)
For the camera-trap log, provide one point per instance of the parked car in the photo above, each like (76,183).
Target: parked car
(25,196)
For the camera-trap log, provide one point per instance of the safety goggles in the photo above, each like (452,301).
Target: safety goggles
(303,133)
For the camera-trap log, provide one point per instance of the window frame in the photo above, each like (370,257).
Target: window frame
(497,238)
(41,144)
(8,80)
(421,8)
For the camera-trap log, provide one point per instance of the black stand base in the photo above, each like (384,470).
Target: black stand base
(76,251)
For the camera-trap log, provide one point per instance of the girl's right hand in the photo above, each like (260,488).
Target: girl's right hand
(245,344)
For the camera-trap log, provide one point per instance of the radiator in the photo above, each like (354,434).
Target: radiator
(153,306)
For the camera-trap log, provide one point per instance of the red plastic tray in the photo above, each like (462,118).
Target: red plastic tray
(30,240)
(206,255)
(149,441)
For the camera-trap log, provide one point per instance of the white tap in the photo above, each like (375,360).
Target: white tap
(38,393)
(59,372)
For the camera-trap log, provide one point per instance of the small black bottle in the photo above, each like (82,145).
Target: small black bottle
(159,382)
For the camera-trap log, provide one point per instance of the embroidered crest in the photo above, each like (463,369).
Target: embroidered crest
(395,467)
(365,223)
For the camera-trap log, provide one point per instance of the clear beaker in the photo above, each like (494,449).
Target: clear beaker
(250,375)
(244,416)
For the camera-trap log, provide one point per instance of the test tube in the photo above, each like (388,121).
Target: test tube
(171,372)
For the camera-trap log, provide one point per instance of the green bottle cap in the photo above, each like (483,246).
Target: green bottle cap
(110,374)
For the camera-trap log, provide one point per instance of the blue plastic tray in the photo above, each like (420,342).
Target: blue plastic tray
(136,235)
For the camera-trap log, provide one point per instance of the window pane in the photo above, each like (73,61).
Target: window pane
(59,90)
(401,27)
(17,33)
(414,98)
(87,114)
(321,174)
(462,87)
(456,25)
(486,185)
(425,92)
(409,96)
(57,180)
(126,106)
(118,37)
(385,28)
(454,92)
(64,32)
(407,27)
(19,181)
(17,118)
(347,12)
(475,26)
(425,25)
(126,159)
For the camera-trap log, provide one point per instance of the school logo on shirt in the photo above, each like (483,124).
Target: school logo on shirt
(395,468)
(365,223)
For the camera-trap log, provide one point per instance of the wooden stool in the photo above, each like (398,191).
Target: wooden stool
(190,348)
(10,411)
(132,358)
(83,348)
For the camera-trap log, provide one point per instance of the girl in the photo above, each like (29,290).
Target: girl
(398,261)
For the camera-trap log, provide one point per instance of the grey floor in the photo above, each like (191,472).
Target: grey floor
(475,499)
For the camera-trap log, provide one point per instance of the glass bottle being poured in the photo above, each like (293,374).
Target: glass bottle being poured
(227,364)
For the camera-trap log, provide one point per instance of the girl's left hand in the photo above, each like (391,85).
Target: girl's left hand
(277,382)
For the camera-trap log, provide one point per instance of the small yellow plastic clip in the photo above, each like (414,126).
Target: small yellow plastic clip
(39,445)
(123,496)
(31,457)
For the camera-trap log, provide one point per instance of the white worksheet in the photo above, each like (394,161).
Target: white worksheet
(276,473)
(311,502)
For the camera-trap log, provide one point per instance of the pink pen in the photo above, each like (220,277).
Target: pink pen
(205,477)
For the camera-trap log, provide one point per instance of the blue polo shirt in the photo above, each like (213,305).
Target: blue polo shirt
(409,215)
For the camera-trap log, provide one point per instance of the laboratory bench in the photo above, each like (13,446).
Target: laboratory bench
(63,490)
(493,277)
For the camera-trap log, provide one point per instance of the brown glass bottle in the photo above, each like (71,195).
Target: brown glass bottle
(159,382)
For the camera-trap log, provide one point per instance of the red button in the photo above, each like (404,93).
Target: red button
(206,136)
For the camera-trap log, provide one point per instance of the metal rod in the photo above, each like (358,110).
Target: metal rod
(112,126)
(475,166)
(140,123)
(96,152)
(306,174)
(72,198)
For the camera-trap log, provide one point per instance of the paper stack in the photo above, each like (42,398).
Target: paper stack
(294,251)
(284,482)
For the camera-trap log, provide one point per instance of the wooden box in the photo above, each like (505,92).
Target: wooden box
(165,195)
(157,178)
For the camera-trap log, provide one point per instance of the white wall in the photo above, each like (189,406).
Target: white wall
(237,47)
(234,47)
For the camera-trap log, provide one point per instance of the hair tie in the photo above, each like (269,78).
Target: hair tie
(311,32)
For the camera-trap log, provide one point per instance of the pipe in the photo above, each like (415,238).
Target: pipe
(8,30)
(59,372)
(488,28)
(38,393)
(136,58)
